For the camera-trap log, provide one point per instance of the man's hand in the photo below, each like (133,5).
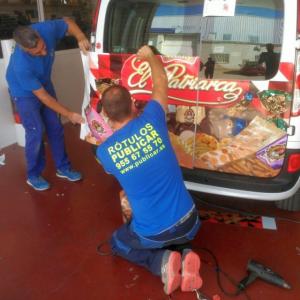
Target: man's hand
(145,53)
(52,103)
(75,118)
(158,74)
(75,31)
(92,140)
(84,44)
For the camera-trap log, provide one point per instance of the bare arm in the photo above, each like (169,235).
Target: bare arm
(159,76)
(75,31)
(51,102)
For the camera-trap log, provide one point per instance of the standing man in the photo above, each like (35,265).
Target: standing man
(139,154)
(271,61)
(209,68)
(29,80)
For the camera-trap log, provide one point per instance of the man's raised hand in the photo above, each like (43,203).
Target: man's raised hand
(145,53)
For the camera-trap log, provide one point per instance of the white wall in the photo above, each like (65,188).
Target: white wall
(68,80)
(7,124)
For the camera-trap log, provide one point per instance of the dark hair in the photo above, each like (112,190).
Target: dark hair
(116,102)
(26,37)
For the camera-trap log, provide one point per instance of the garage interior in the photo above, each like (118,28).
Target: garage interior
(53,244)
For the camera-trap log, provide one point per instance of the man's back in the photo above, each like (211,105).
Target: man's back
(141,157)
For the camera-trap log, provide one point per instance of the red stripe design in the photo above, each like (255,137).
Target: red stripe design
(287,69)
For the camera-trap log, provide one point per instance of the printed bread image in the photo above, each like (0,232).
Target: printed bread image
(250,166)
(186,145)
(256,136)
(203,143)
(185,159)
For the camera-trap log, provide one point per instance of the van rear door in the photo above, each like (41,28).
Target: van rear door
(230,76)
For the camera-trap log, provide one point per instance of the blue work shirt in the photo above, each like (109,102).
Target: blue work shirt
(141,157)
(25,72)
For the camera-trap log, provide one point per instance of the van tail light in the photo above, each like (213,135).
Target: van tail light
(94,24)
(296,101)
(294,163)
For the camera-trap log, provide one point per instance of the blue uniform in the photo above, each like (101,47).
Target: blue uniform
(26,73)
(141,157)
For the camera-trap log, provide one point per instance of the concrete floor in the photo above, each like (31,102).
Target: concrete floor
(49,239)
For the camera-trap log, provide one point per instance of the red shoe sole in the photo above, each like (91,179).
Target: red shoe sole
(191,279)
(172,278)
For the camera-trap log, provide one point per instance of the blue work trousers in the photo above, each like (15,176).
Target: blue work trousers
(148,251)
(38,119)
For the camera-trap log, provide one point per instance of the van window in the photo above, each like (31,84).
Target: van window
(236,45)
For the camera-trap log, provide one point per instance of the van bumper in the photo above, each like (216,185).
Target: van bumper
(239,193)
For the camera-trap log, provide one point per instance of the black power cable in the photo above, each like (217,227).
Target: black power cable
(239,287)
(219,271)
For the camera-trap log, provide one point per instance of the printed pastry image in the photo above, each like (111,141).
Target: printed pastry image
(185,159)
(224,123)
(201,144)
(250,166)
(275,102)
(188,142)
(248,142)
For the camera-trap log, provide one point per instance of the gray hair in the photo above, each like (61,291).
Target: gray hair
(26,37)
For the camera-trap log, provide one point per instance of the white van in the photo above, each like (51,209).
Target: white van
(234,101)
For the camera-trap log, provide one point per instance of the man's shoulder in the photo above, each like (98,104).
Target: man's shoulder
(43,29)
(154,111)
(40,25)
(19,59)
(153,104)
(47,26)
